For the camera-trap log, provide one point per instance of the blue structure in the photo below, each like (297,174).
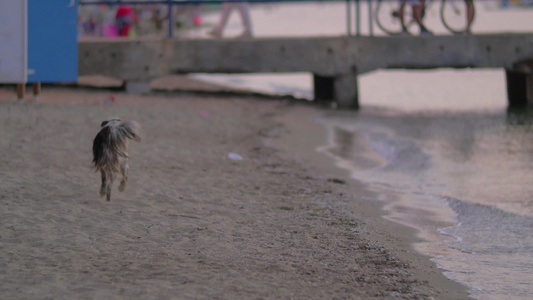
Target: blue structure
(39,41)
(52,41)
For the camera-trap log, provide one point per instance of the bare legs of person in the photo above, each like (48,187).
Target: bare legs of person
(470,14)
(227,7)
(418,10)
(417,7)
(401,16)
(21,90)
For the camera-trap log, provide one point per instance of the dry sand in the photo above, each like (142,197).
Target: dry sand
(192,223)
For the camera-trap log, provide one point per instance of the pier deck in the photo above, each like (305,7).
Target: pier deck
(335,62)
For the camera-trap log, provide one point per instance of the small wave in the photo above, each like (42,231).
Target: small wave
(487,229)
(402,154)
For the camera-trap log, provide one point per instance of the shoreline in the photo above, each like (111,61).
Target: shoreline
(399,238)
(192,222)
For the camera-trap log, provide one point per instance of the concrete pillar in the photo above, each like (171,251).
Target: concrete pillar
(520,84)
(530,90)
(323,88)
(347,91)
(519,88)
(138,87)
(343,89)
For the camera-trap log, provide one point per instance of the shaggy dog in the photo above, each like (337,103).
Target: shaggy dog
(110,152)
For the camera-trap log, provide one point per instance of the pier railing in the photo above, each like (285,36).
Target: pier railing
(360,15)
(351,6)
(171,3)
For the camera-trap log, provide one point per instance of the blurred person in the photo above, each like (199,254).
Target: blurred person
(470,14)
(107,21)
(418,7)
(124,18)
(90,26)
(189,15)
(227,7)
(21,90)
(158,17)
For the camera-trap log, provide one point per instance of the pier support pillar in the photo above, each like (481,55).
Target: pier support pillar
(138,87)
(519,88)
(322,88)
(342,89)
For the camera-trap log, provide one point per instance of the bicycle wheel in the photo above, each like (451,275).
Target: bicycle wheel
(386,15)
(453,16)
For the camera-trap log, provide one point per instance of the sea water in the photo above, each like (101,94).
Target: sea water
(455,163)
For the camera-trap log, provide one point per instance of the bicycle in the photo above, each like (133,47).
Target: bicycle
(457,17)
(453,15)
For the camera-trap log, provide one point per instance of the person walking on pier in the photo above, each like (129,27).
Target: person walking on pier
(125,18)
(470,14)
(227,7)
(418,7)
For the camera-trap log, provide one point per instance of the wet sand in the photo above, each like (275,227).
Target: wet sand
(282,223)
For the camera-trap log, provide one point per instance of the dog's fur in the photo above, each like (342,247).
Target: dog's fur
(110,152)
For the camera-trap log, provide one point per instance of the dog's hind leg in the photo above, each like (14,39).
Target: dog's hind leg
(124,171)
(104,184)
(111,178)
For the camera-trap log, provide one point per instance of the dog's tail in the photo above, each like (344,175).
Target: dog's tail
(130,130)
(111,143)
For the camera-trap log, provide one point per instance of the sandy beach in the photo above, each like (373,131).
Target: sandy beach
(282,223)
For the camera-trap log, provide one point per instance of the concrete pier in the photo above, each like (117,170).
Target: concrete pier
(335,62)
(520,85)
